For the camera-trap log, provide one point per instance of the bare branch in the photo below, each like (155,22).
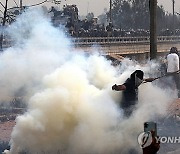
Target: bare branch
(38,3)
(2,4)
(15,3)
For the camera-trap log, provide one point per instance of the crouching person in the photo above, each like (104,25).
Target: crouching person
(130,91)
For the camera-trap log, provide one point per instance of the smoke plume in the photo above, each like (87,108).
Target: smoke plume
(71,107)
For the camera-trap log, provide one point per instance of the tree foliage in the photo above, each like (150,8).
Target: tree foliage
(135,14)
(121,14)
(132,14)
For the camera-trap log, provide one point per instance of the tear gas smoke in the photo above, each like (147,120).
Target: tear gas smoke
(72,108)
(34,54)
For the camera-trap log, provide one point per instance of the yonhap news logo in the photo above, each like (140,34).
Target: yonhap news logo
(146,138)
(169,139)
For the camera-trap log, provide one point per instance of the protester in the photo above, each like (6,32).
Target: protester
(130,91)
(173,66)
(109,29)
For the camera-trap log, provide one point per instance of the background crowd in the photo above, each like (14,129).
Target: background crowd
(92,26)
(127,18)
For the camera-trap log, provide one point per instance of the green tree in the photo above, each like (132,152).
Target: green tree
(121,14)
(140,14)
(90,16)
(102,19)
(161,19)
(134,14)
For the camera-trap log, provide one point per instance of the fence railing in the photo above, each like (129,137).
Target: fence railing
(121,40)
(88,41)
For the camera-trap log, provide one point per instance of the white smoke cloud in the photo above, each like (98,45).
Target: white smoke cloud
(72,108)
(39,49)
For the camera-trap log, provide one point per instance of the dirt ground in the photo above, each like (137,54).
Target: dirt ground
(6,129)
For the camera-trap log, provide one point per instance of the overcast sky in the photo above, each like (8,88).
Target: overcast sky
(95,6)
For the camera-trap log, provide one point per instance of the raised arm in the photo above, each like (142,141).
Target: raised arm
(149,79)
(118,87)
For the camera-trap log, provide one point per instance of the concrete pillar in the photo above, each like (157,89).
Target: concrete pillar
(153,29)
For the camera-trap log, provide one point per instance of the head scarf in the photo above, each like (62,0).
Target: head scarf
(137,77)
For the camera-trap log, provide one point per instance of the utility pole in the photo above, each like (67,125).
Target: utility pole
(21,5)
(173,2)
(3,24)
(153,29)
(110,10)
(88,8)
